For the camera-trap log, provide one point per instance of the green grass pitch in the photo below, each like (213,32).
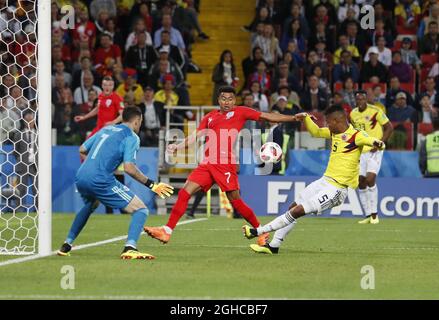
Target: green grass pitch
(321,259)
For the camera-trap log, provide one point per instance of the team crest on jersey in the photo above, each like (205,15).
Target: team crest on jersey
(230,114)
(209,120)
(344,137)
(108,102)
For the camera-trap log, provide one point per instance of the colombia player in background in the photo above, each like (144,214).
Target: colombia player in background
(219,164)
(372,120)
(330,190)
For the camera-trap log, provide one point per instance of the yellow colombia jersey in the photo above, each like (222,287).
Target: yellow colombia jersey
(343,165)
(370,120)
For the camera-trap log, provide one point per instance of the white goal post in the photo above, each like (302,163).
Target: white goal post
(25,128)
(44,127)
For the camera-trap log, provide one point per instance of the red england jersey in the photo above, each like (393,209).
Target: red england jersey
(222,131)
(109,107)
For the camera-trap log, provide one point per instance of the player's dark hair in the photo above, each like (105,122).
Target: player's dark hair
(129,113)
(226,89)
(333,109)
(107,78)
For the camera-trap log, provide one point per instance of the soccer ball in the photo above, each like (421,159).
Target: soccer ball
(270,152)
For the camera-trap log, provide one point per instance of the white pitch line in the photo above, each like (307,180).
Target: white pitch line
(83,246)
(127,297)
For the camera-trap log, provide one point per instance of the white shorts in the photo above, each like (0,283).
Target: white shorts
(321,195)
(370,162)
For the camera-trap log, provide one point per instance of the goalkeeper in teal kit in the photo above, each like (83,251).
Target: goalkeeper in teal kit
(95,181)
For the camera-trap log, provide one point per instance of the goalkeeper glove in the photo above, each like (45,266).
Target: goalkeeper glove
(162,189)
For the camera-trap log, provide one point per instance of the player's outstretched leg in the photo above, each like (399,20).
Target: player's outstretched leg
(77,226)
(363,193)
(247,213)
(163,234)
(373,197)
(282,225)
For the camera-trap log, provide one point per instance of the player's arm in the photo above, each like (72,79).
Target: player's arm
(189,140)
(277,117)
(312,127)
(363,139)
(131,145)
(387,131)
(86,147)
(91,114)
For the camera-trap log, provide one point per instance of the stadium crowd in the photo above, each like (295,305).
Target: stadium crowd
(305,55)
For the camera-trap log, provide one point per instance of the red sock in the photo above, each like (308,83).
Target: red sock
(246,212)
(179,208)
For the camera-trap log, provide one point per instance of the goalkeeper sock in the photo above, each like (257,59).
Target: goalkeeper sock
(281,234)
(373,199)
(246,212)
(364,199)
(278,223)
(79,222)
(136,226)
(179,208)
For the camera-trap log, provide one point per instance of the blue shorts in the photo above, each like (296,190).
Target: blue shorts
(111,193)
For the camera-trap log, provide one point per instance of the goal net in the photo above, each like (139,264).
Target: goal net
(20,119)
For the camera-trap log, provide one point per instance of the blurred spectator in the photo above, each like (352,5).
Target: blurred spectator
(281,106)
(175,52)
(374,68)
(153,118)
(284,90)
(433,15)
(296,14)
(401,111)
(61,94)
(427,110)
(408,14)
(346,68)
(430,91)
(269,45)
(224,73)
(262,76)
(409,55)
(167,95)
(248,101)
(130,85)
(249,63)
(133,38)
(78,75)
(9,120)
(108,5)
(325,57)
(176,37)
(25,152)
(384,54)
(428,159)
(106,55)
(80,95)
(261,17)
(380,31)
(345,45)
(66,127)
(85,30)
(260,99)
(342,10)
(381,14)
(429,43)
(393,90)
(282,72)
(87,126)
(141,57)
(112,29)
(348,92)
(313,98)
(400,69)
(340,101)
(60,70)
(293,33)
(356,38)
(161,68)
(374,96)
(321,34)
